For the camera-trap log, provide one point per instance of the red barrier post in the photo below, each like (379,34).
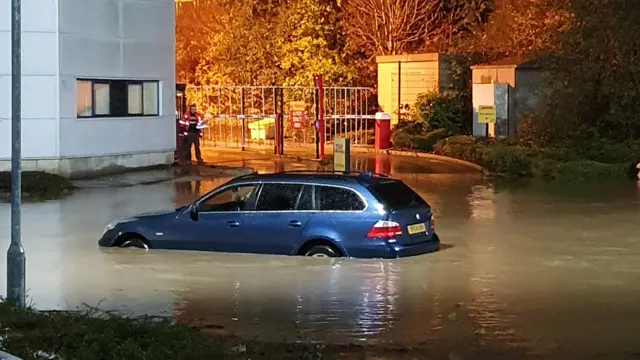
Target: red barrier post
(383,131)
(321,127)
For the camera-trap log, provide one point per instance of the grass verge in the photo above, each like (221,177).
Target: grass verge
(37,185)
(96,335)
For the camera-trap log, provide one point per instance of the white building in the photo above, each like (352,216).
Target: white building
(98,84)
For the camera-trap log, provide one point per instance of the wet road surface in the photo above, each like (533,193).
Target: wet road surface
(527,268)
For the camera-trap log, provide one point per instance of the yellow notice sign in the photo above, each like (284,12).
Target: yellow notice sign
(341,154)
(297,106)
(487,114)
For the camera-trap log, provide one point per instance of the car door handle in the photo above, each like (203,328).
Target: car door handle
(295,223)
(233,224)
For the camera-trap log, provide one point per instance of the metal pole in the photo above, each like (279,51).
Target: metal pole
(219,137)
(316,104)
(16,259)
(399,90)
(366,112)
(356,104)
(281,125)
(242,115)
(276,142)
(321,122)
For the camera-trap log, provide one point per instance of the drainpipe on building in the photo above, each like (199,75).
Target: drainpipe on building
(399,89)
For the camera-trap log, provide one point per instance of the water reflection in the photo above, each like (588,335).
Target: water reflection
(524,255)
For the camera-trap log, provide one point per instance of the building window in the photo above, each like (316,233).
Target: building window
(135,99)
(117,98)
(84,98)
(101,99)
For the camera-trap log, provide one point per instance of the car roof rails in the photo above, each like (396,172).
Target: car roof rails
(372,174)
(334,172)
(239,177)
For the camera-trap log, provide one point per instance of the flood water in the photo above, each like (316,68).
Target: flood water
(526,268)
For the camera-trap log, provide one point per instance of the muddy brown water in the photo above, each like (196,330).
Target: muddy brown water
(547,270)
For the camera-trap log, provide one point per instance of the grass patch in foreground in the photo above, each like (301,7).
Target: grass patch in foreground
(96,335)
(37,184)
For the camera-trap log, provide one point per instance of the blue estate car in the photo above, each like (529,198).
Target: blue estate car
(359,215)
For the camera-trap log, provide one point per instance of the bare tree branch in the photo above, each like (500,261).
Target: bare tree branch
(389,27)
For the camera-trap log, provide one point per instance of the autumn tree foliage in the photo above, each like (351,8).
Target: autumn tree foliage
(596,74)
(520,29)
(391,27)
(591,47)
(259,42)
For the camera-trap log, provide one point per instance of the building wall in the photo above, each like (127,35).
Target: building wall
(40,120)
(418,74)
(96,39)
(526,88)
(529,94)
(116,39)
(494,75)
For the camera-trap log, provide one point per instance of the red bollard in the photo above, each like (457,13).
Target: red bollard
(383,131)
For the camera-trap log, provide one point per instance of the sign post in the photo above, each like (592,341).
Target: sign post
(16,259)
(487,115)
(341,155)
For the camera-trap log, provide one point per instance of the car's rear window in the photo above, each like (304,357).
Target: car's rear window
(396,195)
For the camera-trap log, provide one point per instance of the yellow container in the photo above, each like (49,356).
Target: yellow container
(262,129)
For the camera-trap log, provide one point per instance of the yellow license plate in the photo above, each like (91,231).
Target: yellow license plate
(416,229)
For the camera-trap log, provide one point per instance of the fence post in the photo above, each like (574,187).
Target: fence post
(281,125)
(276,142)
(317,110)
(243,133)
(320,112)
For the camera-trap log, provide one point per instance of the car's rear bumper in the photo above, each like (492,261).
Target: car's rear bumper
(385,250)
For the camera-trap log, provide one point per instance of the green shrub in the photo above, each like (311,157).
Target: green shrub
(505,160)
(447,110)
(582,170)
(462,147)
(409,138)
(402,139)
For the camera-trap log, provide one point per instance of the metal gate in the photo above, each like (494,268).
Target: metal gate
(245,116)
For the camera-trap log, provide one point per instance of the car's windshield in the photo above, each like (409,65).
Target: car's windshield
(396,195)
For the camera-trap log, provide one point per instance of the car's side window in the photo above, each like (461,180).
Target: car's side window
(232,199)
(330,198)
(305,201)
(278,197)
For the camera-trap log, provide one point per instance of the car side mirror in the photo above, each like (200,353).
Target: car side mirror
(193,212)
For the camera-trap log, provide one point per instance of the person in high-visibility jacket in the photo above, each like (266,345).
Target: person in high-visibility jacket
(191,127)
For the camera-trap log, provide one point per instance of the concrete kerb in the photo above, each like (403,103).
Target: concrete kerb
(176,174)
(304,155)
(433,157)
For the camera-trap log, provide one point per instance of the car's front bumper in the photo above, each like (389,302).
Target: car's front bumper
(385,250)
(108,238)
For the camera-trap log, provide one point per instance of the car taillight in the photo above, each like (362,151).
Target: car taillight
(385,230)
(432,225)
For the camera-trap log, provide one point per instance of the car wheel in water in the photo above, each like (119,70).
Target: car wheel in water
(322,251)
(134,243)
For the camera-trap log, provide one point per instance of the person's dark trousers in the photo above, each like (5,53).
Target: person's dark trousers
(194,139)
(185,151)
